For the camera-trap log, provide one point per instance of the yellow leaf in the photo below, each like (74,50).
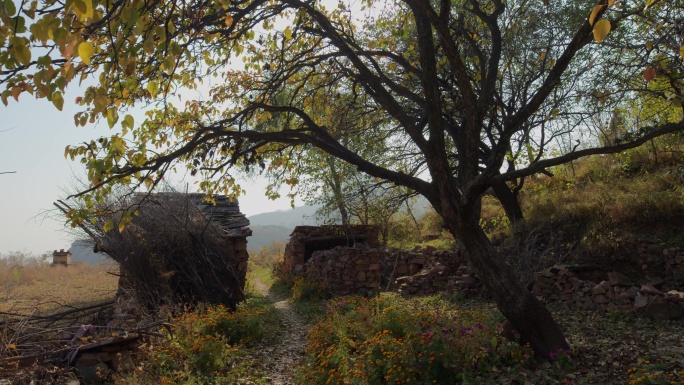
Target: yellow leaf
(153,88)
(112,117)
(601,30)
(611,2)
(58,100)
(681,52)
(89,8)
(85,51)
(288,33)
(594,13)
(21,52)
(11,346)
(229,20)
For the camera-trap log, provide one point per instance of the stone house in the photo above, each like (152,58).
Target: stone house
(61,257)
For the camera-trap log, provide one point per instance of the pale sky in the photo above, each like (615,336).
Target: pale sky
(33,146)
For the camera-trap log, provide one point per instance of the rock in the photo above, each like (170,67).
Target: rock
(656,282)
(92,373)
(123,361)
(601,299)
(649,289)
(618,279)
(632,291)
(598,289)
(640,302)
(660,309)
(88,359)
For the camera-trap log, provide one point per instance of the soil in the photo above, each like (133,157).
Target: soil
(280,361)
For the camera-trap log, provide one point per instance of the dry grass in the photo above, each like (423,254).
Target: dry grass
(38,288)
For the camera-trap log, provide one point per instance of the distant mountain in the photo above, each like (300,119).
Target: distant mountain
(278,225)
(82,251)
(290,218)
(264,235)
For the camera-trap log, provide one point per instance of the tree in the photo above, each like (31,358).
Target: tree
(458,88)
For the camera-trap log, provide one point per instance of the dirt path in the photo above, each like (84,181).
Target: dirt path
(280,361)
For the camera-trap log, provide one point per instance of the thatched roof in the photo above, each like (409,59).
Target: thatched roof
(225,212)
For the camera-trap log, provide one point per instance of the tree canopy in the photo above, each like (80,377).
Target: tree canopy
(456,96)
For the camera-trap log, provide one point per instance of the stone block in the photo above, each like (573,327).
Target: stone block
(123,361)
(649,289)
(659,308)
(618,279)
(640,301)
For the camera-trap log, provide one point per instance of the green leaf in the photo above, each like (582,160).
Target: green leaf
(10,8)
(58,100)
(108,226)
(288,33)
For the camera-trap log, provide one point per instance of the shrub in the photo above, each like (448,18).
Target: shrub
(388,340)
(304,289)
(209,345)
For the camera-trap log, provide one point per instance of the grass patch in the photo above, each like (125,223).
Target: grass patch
(38,288)
(211,345)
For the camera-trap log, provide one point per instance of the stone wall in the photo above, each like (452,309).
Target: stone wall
(240,250)
(346,270)
(427,271)
(305,240)
(587,288)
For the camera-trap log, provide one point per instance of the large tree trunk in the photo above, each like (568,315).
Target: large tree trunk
(509,201)
(527,314)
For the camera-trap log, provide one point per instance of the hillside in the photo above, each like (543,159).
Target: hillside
(265,235)
(276,226)
(289,218)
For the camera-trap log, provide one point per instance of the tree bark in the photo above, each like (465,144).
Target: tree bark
(527,314)
(509,201)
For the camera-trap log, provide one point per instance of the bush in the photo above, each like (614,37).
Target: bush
(305,289)
(209,345)
(388,340)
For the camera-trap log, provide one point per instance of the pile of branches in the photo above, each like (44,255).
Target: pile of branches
(40,348)
(27,338)
(170,254)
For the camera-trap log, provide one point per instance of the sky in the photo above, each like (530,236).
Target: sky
(33,136)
